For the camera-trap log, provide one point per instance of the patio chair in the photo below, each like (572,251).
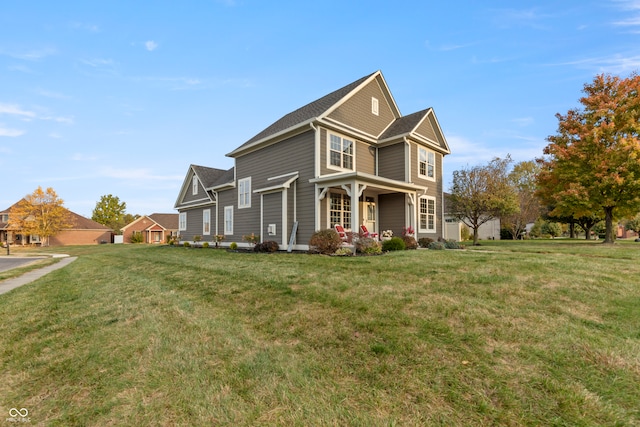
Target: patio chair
(340,230)
(366,233)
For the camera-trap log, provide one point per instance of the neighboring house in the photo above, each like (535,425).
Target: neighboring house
(83,231)
(348,158)
(490,230)
(155,228)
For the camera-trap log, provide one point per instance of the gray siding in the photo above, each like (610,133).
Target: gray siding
(391,161)
(356,112)
(272,214)
(291,155)
(194,224)
(364,155)
(426,129)
(392,212)
(189,197)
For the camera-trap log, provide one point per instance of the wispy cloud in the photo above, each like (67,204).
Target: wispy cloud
(16,110)
(80,157)
(446,47)
(139,174)
(614,64)
(29,55)
(631,20)
(509,18)
(523,121)
(50,94)
(10,132)
(93,28)
(26,115)
(150,45)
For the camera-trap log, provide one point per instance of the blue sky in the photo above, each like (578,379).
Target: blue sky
(119,97)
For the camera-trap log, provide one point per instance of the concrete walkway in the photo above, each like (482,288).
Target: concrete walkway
(9,284)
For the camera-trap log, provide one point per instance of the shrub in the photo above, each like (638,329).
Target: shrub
(393,244)
(369,246)
(438,246)
(423,242)
(465,233)
(205,245)
(186,244)
(344,252)
(409,242)
(136,237)
(325,242)
(233,246)
(266,246)
(452,244)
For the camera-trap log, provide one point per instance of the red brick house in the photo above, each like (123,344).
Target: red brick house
(83,231)
(155,228)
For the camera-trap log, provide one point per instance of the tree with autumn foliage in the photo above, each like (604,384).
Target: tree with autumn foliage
(482,193)
(39,214)
(592,164)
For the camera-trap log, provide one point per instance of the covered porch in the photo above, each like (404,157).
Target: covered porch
(356,198)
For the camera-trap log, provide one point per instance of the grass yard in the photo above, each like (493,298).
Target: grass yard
(509,333)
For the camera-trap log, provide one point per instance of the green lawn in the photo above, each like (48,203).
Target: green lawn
(508,333)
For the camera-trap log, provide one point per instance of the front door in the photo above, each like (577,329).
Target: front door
(370,214)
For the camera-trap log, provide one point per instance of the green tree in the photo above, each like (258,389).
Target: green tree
(41,213)
(553,229)
(482,193)
(633,224)
(592,164)
(110,211)
(523,180)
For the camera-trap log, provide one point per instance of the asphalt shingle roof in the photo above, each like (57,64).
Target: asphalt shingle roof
(307,112)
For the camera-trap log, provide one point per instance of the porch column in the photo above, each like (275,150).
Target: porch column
(355,208)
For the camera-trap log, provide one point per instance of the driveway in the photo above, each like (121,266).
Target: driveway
(7,263)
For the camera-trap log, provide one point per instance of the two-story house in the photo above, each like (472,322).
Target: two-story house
(348,158)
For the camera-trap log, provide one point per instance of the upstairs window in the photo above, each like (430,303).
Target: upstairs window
(194,185)
(244,193)
(340,152)
(426,164)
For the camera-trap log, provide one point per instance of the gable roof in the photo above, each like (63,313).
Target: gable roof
(307,113)
(407,126)
(208,177)
(77,222)
(166,220)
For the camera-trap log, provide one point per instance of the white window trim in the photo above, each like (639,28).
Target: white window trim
(244,189)
(353,152)
(182,221)
(375,106)
(435,216)
(228,210)
(194,185)
(206,220)
(427,153)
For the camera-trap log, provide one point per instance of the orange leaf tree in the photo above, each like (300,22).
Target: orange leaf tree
(40,214)
(592,164)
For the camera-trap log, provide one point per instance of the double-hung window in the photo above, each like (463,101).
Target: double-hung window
(206,222)
(426,163)
(244,193)
(228,220)
(340,152)
(427,219)
(182,221)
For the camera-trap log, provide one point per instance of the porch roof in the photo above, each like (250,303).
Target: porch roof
(372,180)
